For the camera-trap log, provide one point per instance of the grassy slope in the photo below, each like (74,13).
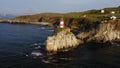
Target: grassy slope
(72,18)
(1,19)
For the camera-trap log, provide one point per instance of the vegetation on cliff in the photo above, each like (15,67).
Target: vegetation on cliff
(93,26)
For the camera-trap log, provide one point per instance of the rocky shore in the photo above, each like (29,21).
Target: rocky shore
(83,27)
(24,22)
(100,33)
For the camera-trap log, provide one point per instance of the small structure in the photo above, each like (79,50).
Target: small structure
(61,23)
(113,17)
(102,11)
(113,12)
(84,15)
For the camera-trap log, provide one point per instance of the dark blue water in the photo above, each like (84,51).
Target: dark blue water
(19,43)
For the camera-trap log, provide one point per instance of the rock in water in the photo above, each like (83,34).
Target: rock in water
(61,41)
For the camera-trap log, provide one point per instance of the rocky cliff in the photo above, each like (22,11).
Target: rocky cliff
(104,32)
(61,41)
(98,32)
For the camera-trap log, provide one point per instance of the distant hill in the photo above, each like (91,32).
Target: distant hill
(7,16)
(72,18)
(1,19)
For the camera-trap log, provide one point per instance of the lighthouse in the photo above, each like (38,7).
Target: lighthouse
(61,23)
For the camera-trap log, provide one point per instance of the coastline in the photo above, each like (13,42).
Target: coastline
(35,23)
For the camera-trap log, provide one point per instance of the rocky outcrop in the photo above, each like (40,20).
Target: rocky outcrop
(65,39)
(103,33)
(61,41)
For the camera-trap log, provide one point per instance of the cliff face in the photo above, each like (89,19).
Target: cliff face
(61,41)
(103,33)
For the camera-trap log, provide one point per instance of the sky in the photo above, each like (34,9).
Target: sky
(56,6)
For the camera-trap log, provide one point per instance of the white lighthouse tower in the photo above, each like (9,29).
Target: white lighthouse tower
(61,23)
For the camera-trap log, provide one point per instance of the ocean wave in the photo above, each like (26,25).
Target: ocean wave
(37,44)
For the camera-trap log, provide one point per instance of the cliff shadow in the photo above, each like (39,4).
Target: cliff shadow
(40,19)
(56,23)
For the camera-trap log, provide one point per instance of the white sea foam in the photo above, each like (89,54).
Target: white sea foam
(36,53)
(38,47)
(37,44)
(42,28)
(51,30)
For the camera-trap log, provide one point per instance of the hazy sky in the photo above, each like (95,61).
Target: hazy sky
(62,6)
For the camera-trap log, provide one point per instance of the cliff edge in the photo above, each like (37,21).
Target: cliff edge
(104,32)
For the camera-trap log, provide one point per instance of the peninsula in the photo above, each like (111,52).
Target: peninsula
(80,27)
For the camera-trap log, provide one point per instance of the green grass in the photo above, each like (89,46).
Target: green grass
(73,18)
(58,29)
(1,19)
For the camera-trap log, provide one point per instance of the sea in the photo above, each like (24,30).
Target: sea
(23,46)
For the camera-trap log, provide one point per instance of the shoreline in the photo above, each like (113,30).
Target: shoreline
(34,23)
